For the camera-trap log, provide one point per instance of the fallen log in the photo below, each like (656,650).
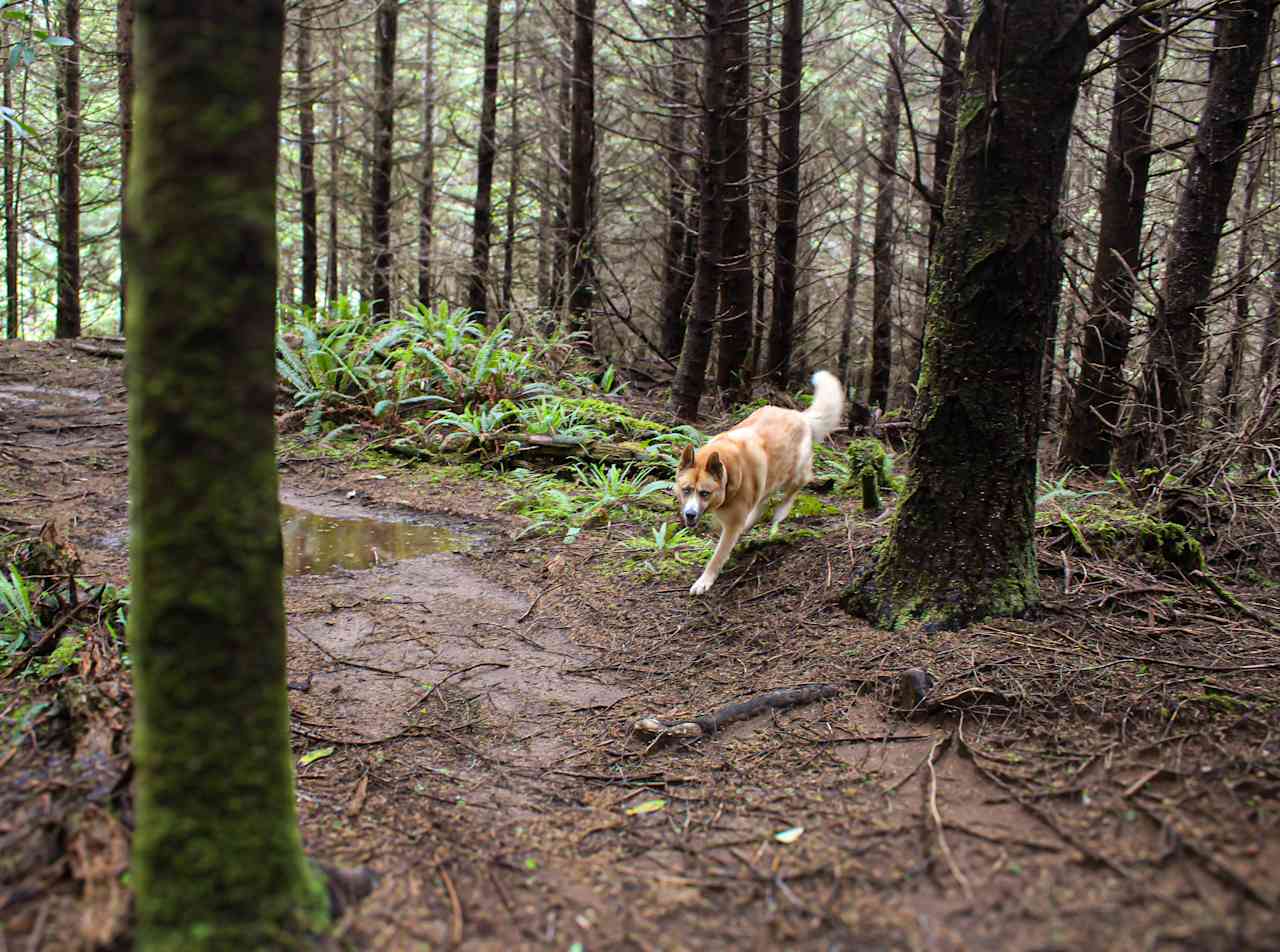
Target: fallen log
(708,724)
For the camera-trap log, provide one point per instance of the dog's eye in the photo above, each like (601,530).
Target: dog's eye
(703,493)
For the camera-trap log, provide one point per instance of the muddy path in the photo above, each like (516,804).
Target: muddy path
(463,700)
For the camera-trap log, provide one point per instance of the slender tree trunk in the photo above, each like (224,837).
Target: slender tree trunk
(366,234)
(546,231)
(68,319)
(513,182)
(765,227)
(427,191)
(13,319)
(564,146)
(486,153)
(952,22)
(962,543)
(737,297)
(882,243)
(1269,347)
(217,855)
(1229,392)
(1173,375)
(582,170)
(851,281)
(690,379)
(124,86)
(676,282)
(787,235)
(1100,391)
(332,290)
(307,160)
(384,119)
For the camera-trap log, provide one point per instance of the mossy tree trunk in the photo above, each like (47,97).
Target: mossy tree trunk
(961,542)
(427,189)
(217,856)
(10,206)
(124,85)
(307,160)
(582,173)
(677,282)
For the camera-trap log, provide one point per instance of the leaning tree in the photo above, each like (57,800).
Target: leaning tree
(961,545)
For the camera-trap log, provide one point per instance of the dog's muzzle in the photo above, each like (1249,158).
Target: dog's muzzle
(690,516)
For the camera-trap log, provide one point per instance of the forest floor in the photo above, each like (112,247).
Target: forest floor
(1105,775)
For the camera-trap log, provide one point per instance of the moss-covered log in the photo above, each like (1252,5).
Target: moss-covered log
(961,542)
(217,855)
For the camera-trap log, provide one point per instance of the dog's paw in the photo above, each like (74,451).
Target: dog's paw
(701,585)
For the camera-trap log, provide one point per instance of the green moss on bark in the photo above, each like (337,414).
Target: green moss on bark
(217,855)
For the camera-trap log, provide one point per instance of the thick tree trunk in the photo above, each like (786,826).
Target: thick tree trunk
(961,546)
(582,170)
(676,282)
(486,153)
(307,160)
(852,278)
(68,318)
(13,318)
(1104,341)
(1229,392)
(1173,376)
(882,243)
(384,119)
(427,190)
(217,855)
(737,277)
(124,87)
(513,182)
(690,379)
(787,234)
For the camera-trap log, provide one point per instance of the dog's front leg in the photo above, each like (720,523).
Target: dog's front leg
(728,539)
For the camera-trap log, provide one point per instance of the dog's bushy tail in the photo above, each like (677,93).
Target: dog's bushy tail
(828,406)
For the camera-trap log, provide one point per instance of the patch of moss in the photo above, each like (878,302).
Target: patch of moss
(613,418)
(66,654)
(1118,531)
(807,505)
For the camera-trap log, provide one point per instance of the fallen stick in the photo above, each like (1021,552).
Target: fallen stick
(708,724)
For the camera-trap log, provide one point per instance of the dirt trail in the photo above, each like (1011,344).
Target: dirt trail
(478,703)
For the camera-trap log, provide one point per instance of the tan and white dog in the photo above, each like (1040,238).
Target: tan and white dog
(734,475)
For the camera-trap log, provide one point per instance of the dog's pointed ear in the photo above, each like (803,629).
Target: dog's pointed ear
(686,458)
(715,466)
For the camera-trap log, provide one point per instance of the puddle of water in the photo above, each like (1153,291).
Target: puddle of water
(316,544)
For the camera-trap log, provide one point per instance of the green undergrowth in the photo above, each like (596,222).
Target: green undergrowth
(1108,523)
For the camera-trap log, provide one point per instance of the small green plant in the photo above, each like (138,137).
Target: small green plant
(18,621)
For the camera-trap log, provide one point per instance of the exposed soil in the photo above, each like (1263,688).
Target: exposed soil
(1104,776)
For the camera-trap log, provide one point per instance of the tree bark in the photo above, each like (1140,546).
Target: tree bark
(384,119)
(217,855)
(737,275)
(952,22)
(1269,347)
(68,316)
(1229,392)
(486,153)
(676,281)
(690,379)
(307,160)
(13,318)
(787,233)
(882,243)
(513,181)
(961,545)
(124,86)
(1173,377)
(1100,391)
(426,191)
(852,278)
(564,147)
(582,170)
(332,289)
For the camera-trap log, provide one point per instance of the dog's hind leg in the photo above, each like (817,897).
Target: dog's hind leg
(728,539)
(784,507)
